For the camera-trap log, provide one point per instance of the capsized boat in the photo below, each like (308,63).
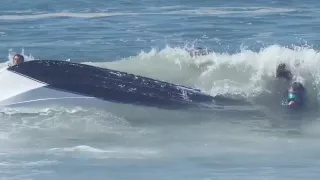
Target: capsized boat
(42,82)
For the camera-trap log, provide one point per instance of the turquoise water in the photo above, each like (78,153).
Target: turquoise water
(245,40)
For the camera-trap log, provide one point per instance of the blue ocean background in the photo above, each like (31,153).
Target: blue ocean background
(245,41)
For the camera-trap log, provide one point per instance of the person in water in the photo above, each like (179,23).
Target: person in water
(18,59)
(296,91)
(283,72)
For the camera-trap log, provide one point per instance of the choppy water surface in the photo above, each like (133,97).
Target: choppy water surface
(245,40)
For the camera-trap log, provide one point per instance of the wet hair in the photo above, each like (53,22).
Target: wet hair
(20,57)
(297,86)
(283,72)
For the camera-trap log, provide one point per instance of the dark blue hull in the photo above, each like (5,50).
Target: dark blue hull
(111,85)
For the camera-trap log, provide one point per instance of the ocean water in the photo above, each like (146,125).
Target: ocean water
(245,42)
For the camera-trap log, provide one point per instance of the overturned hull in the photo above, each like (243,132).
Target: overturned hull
(49,82)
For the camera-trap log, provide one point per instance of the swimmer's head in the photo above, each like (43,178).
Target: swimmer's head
(17,59)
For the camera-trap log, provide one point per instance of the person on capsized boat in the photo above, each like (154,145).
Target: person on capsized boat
(296,93)
(17,59)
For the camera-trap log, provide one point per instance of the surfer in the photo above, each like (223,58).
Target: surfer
(18,59)
(296,91)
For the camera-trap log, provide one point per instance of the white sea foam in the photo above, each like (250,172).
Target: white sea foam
(88,151)
(58,14)
(223,11)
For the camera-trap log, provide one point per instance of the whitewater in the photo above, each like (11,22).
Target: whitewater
(244,41)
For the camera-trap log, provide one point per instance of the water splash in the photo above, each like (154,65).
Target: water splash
(246,74)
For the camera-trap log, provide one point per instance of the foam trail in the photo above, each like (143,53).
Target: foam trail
(59,14)
(220,11)
(89,149)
